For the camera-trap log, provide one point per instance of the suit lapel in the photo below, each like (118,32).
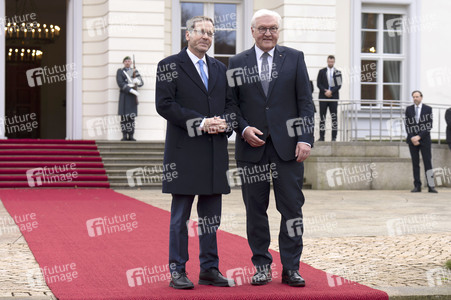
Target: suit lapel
(251,61)
(187,65)
(335,77)
(278,59)
(212,72)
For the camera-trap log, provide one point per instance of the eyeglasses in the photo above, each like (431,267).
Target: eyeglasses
(262,30)
(202,32)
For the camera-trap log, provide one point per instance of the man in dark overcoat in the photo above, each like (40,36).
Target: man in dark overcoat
(128,81)
(191,94)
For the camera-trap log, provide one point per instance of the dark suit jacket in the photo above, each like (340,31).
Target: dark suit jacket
(289,97)
(422,128)
(448,127)
(323,83)
(201,160)
(127,102)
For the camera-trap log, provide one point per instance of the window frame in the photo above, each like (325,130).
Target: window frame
(244,14)
(410,68)
(382,57)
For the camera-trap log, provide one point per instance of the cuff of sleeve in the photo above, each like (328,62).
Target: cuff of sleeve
(202,123)
(306,144)
(242,132)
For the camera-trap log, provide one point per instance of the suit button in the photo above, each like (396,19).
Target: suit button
(267,107)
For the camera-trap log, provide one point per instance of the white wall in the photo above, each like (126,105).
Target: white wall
(435,51)
(132,27)
(311,27)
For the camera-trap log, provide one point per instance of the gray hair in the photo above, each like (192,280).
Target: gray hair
(266,12)
(191,23)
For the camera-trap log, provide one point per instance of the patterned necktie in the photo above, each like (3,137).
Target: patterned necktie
(264,73)
(202,73)
(417,116)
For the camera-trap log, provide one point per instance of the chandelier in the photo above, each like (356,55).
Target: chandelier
(25,35)
(33,32)
(24,55)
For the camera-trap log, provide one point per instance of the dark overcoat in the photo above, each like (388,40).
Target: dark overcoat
(200,159)
(127,101)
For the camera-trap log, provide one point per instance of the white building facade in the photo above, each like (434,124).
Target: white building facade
(385,50)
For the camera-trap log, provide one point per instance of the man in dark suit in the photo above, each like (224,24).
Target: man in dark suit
(418,124)
(329,83)
(191,92)
(128,101)
(274,136)
(448,127)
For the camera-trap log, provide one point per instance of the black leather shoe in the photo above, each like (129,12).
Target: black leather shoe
(416,189)
(124,137)
(320,140)
(432,190)
(292,278)
(262,277)
(180,281)
(213,277)
(130,138)
(334,140)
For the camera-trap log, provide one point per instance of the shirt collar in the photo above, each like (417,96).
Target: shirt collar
(260,52)
(194,58)
(419,105)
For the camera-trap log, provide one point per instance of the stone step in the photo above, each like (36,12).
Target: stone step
(114,169)
(359,149)
(118,157)
(142,155)
(137,145)
(157,186)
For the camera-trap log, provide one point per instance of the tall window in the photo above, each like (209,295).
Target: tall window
(224,15)
(382,58)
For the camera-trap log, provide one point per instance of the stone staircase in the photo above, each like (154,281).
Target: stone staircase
(134,157)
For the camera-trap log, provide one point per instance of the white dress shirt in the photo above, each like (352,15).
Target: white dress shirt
(195,61)
(330,77)
(259,52)
(417,117)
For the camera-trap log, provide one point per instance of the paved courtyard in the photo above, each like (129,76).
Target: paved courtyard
(392,240)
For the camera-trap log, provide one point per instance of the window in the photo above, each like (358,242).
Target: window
(225,16)
(382,59)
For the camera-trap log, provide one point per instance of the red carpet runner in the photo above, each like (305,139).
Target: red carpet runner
(50,163)
(99,244)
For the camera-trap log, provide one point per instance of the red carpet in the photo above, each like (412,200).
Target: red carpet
(82,260)
(50,163)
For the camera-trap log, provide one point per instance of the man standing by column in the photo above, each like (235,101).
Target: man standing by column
(268,140)
(128,98)
(418,126)
(329,83)
(196,143)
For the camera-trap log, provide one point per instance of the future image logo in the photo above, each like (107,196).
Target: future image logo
(351,175)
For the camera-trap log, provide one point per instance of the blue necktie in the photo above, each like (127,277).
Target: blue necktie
(202,73)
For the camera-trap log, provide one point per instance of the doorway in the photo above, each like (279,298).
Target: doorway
(35,91)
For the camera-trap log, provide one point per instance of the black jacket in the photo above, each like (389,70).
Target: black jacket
(422,128)
(323,83)
(289,97)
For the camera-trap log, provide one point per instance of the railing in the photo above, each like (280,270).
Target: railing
(377,120)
